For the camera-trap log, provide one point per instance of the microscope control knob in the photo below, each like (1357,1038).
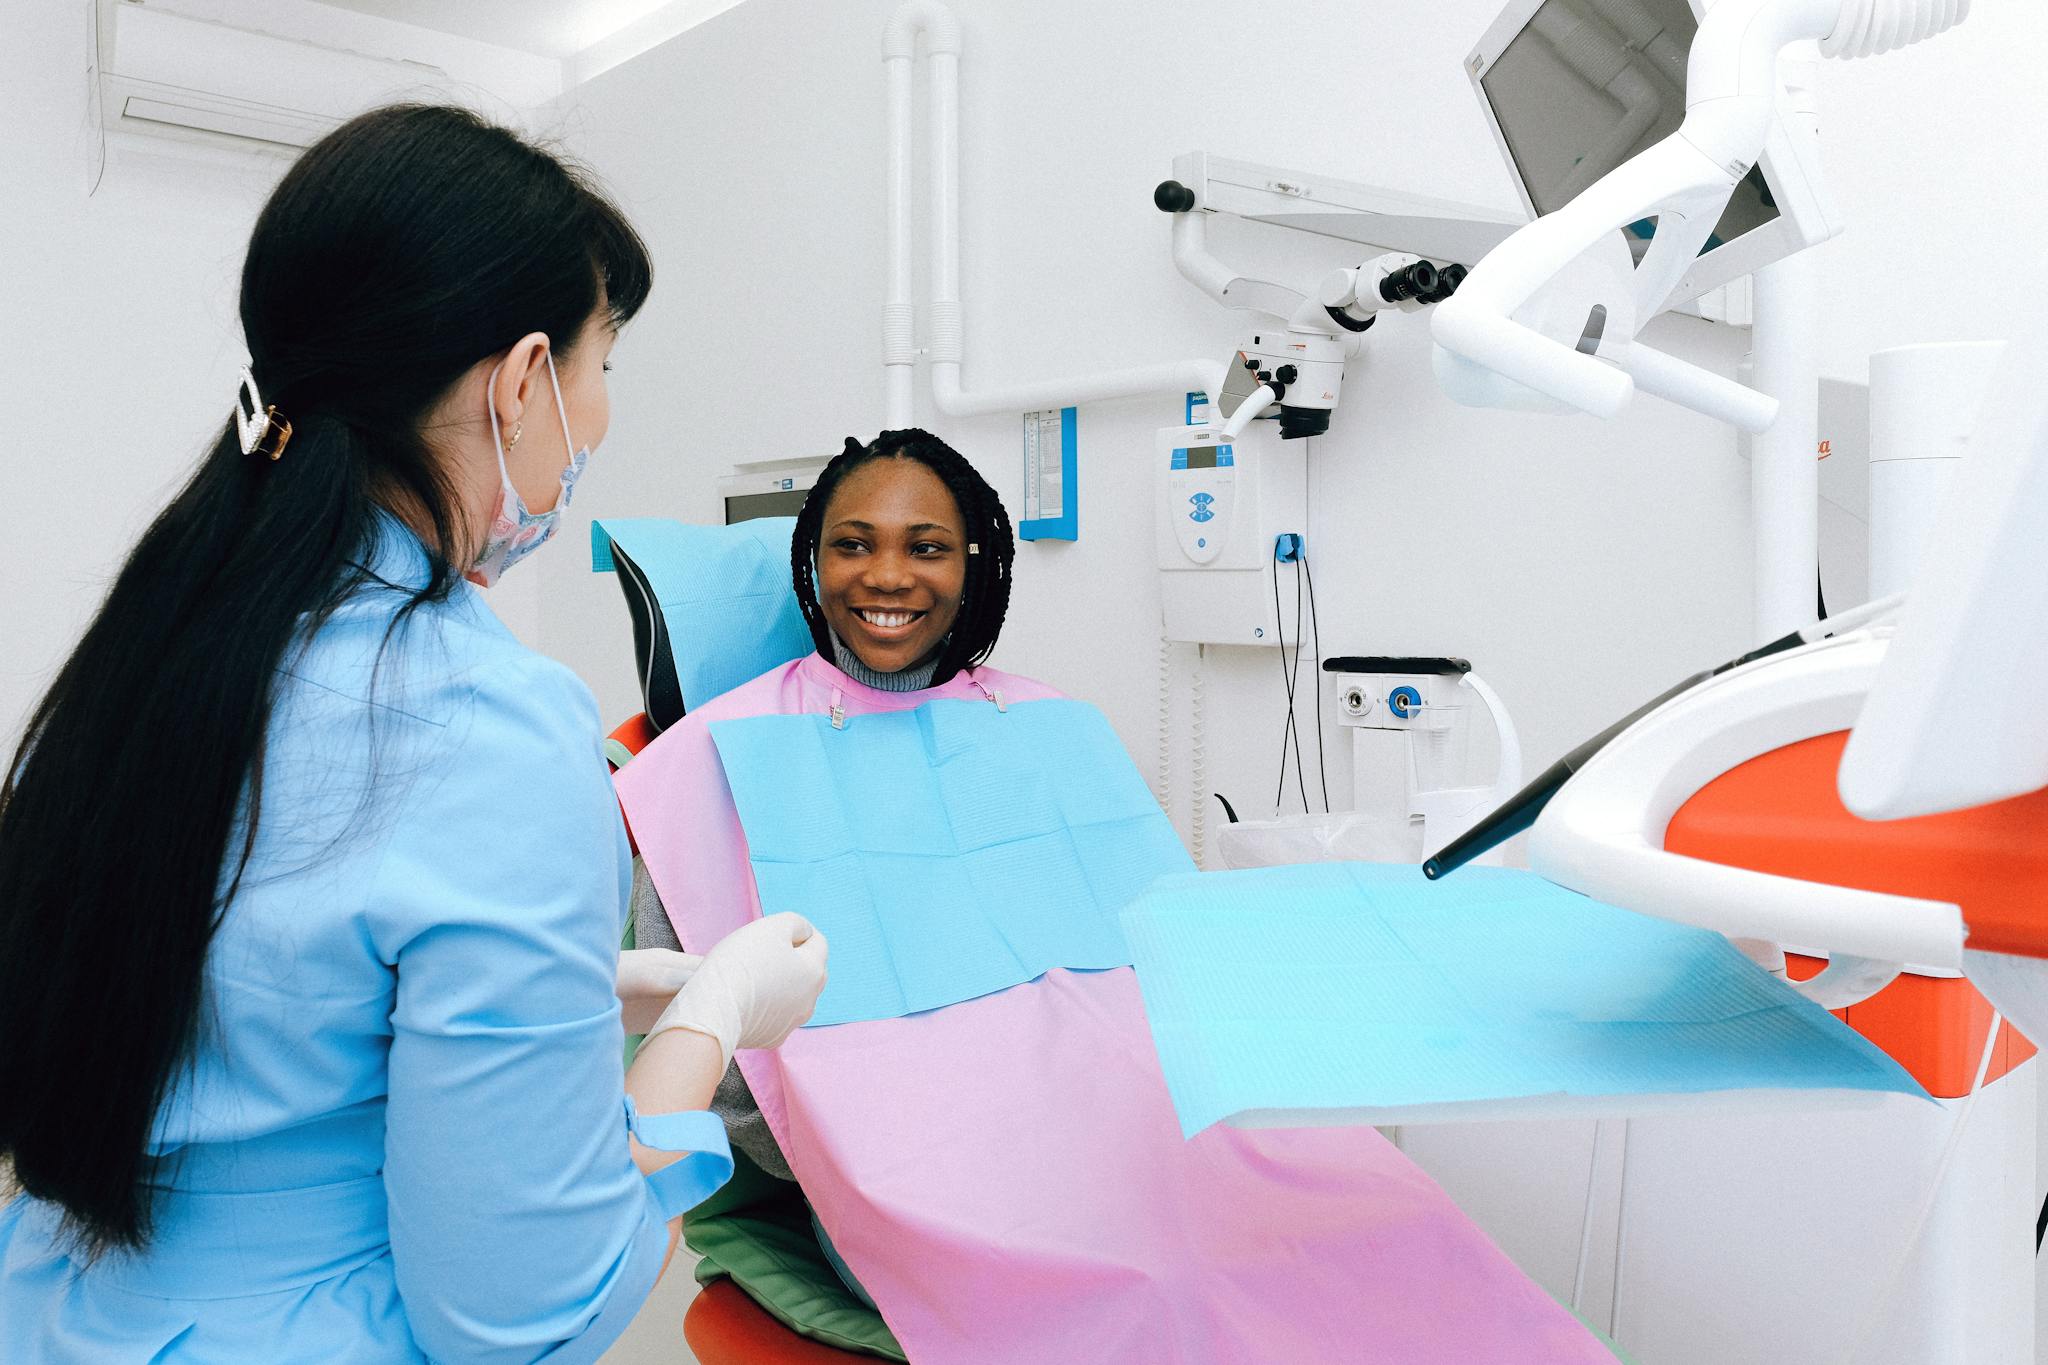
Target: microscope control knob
(1286,374)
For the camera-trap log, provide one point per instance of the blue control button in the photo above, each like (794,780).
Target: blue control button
(1201,543)
(1202,512)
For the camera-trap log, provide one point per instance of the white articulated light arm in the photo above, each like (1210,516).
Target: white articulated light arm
(1217,280)
(1684,182)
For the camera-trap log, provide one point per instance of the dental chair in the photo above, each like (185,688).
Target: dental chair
(723,1326)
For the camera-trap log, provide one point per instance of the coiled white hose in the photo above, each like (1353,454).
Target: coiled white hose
(1867,28)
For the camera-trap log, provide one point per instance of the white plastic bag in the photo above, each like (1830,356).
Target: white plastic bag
(1342,836)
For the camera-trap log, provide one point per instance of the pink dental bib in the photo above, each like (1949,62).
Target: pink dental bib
(1007,1178)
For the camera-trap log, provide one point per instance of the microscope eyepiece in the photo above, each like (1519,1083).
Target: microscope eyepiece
(1447,281)
(1409,282)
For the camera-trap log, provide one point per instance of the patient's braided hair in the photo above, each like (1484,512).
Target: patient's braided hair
(985,596)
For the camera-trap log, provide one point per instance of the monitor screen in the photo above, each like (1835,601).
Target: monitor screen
(1564,132)
(749,506)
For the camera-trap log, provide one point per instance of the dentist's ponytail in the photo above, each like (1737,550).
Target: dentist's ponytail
(401,250)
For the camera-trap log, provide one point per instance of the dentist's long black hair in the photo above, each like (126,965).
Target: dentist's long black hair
(985,595)
(402,249)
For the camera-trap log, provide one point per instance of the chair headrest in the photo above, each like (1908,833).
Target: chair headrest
(712,606)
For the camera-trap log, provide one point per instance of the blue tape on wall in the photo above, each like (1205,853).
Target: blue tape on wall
(1067,525)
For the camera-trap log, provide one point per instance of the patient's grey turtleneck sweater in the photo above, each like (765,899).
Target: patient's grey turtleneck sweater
(915,678)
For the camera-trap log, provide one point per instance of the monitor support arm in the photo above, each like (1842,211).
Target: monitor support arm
(1684,182)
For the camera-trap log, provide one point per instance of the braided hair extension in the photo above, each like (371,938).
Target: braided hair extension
(985,596)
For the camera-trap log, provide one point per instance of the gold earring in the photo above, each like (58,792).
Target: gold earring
(517,427)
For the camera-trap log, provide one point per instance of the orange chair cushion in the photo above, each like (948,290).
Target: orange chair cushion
(1779,813)
(633,736)
(725,1327)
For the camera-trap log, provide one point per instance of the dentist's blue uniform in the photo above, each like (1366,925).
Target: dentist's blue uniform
(403,1136)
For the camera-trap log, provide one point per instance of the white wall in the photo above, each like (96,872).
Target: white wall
(1934,156)
(121,343)
(119,352)
(1579,566)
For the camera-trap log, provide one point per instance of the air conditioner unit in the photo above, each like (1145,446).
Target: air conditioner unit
(166,73)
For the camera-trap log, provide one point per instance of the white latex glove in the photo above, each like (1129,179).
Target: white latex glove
(648,979)
(754,987)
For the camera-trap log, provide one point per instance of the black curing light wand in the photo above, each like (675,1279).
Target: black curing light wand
(1519,811)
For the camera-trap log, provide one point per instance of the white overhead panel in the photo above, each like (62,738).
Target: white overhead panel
(1437,228)
(164,73)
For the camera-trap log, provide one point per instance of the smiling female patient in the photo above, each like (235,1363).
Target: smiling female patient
(901,564)
(1006,1175)
(912,553)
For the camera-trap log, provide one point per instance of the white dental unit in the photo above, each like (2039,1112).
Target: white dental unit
(1671,149)
(1715,806)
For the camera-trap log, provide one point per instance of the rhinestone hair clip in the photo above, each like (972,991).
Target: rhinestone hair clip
(262,430)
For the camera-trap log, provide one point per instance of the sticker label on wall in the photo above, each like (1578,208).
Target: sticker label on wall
(1051,489)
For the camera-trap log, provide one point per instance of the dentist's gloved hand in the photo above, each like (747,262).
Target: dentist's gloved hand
(648,979)
(755,986)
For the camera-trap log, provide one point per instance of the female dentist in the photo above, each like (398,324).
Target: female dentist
(311,878)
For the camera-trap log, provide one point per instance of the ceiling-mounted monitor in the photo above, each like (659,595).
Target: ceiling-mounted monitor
(1573,88)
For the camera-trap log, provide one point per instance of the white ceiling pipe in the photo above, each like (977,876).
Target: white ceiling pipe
(942,49)
(899,321)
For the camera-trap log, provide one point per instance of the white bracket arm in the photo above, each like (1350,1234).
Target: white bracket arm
(1191,254)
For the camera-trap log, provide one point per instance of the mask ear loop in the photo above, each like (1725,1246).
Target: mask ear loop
(491,411)
(569,470)
(575,464)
